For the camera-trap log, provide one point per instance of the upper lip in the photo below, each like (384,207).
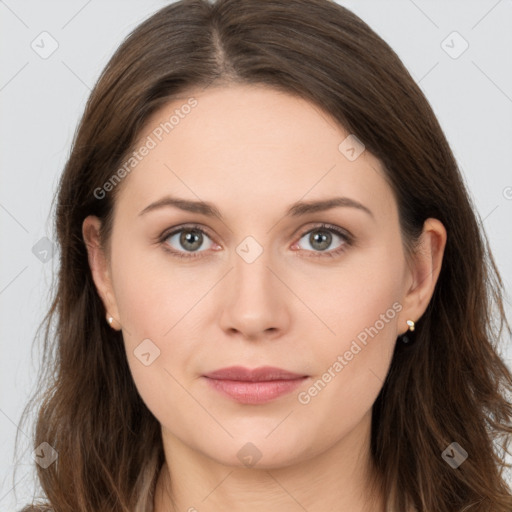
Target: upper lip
(263,373)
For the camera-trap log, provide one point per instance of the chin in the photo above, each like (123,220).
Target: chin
(258,452)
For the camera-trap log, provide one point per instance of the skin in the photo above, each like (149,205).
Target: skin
(252,152)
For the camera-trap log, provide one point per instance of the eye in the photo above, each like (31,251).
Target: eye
(320,239)
(186,241)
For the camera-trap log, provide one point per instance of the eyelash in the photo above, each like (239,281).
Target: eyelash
(346,237)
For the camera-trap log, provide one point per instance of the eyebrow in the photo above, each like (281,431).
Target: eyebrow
(296,209)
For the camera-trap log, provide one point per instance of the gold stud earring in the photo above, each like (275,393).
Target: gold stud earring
(405,339)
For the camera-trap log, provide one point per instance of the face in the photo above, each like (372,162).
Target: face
(321,293)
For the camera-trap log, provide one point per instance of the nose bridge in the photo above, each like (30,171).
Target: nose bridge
(253,302)
(251,260)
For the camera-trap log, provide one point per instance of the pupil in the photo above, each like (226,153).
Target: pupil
(323,239)
(187,237)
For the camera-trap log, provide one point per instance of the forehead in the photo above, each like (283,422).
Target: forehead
(250,146)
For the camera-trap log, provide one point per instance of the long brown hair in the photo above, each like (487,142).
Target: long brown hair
(449,385)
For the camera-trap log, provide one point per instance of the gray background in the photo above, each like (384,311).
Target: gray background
(42,99)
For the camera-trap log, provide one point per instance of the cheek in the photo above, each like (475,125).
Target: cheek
(358,300)
(138,301)
(362,307)
(155,301)
(152,291)
(155,350)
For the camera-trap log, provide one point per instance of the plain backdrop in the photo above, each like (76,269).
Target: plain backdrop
(52,54)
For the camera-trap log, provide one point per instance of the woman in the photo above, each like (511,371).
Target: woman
(274,293)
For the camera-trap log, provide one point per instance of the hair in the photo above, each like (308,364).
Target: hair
(449,385)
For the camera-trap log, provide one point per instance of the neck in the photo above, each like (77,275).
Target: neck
(336,480)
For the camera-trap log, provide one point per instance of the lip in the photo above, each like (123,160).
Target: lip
(254,386)
(263,373)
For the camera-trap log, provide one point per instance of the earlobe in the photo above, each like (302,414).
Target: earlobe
(99,265)
(113,322)
(425,268)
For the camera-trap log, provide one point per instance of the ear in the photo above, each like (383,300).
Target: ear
(424,270)
(100,267)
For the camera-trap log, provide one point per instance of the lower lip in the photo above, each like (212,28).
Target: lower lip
(255,392)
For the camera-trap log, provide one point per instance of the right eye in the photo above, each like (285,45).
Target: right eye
(185,241)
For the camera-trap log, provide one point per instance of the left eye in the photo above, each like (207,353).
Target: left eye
(321,237)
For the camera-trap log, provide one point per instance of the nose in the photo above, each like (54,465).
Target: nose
(255,301)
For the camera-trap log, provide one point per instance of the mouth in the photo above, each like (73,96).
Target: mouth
(256,386)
